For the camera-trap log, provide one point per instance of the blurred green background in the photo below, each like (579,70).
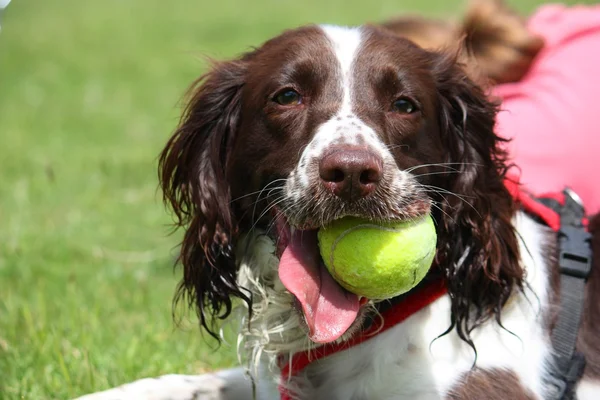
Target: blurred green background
(89,92)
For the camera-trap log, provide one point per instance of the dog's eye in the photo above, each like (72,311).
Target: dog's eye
(404,106)
(288,97)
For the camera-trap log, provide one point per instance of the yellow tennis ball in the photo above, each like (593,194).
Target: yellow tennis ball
(378,261)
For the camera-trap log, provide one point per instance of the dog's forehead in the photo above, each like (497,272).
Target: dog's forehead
(383,51)
(345,43)
(307,42)
(335,47)
(345,50)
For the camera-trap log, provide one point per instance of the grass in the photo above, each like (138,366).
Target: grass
(89,93)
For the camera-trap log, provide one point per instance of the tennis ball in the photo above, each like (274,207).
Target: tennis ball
(378,261)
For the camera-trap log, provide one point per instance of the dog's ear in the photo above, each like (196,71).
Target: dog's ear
(477,244)
(192,177)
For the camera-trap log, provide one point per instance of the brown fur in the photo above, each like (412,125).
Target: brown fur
(492,384)
(496,44)
(589,335)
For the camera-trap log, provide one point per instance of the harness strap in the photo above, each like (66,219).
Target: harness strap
(575,263)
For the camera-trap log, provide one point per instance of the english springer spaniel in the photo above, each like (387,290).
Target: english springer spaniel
(323,122)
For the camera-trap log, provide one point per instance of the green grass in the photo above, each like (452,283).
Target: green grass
(89,92)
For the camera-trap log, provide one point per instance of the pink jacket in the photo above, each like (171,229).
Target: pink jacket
(553,114)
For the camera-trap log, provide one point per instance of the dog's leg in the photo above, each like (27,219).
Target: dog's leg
(231,384)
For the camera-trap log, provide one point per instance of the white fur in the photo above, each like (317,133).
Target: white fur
(275,326)
(406,362)
(344,127)
(182,387)
(588,390)
(345,43)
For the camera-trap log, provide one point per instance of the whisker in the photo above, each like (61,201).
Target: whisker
(440,190)
(396,146)
(258,191)
(258,199)
(444,212)
(447,165)
(277,199)
(439,173)
(265,211)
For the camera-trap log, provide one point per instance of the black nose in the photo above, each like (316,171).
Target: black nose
(351,173)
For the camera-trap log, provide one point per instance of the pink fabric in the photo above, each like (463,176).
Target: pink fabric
(553,114)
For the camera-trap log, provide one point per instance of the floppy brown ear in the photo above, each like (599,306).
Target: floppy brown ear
(477,244)
(192,177)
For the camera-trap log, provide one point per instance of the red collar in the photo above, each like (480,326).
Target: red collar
(413,302)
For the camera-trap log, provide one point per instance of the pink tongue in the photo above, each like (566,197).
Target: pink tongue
(328,308)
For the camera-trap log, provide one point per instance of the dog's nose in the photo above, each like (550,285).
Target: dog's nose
(351,172)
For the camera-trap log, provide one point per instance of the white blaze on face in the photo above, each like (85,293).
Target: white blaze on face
(345,43)
(344,127)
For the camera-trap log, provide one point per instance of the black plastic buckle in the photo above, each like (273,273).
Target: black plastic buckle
(575,252)
(575,242)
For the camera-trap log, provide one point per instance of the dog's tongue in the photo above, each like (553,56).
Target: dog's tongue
(328,308)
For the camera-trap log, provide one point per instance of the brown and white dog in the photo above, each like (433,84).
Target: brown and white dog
(323,122)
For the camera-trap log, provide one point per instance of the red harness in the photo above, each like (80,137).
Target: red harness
(415,300)
(533,206)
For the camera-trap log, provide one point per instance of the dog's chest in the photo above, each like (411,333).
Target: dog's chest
(408,362)
(412,361)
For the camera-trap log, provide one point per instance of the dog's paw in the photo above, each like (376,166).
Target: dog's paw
(167,387)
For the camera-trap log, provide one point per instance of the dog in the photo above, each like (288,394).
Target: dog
(323,122)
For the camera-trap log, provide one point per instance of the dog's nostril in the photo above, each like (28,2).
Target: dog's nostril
(331,174)
(337,175)
(351,172)
(370,176)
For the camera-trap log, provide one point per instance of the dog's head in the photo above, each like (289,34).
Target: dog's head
(325,122)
